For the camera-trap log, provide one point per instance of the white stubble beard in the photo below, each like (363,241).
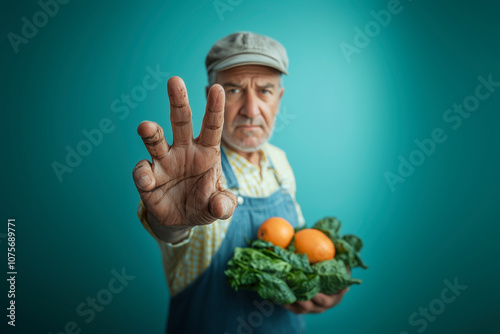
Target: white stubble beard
(244,148)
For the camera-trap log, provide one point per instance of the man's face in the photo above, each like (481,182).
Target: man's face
(253,96)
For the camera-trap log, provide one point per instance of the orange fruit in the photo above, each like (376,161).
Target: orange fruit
(277,231)
(315,244)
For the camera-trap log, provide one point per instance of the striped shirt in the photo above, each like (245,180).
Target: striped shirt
(183,262)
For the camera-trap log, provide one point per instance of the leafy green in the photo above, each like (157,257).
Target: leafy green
(333,276)
(274,288)
(347,247)
(330,226)
(283,276)
(304,286)
(298,261)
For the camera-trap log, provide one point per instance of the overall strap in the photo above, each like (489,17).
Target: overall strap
(232,182)
(278,179)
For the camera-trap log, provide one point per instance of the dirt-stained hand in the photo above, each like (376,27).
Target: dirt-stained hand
(181,187)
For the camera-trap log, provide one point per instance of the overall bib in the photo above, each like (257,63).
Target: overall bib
(209,304)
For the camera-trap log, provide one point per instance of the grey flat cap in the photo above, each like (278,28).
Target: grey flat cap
(246,48)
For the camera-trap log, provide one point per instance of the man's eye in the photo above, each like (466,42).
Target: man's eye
(266,91)
(233,91)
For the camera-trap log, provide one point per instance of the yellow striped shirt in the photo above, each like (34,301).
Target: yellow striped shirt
(185,261)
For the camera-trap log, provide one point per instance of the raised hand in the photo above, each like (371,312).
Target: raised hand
(182,186)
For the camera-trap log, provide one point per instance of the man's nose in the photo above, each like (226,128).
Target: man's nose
(250,107)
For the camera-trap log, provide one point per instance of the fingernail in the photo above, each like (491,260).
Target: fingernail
(144,181)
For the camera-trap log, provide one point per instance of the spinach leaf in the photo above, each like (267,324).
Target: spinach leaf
(305,286)
(330,226)
(333,276)
(299,261)
(346,250)
(257,260)
(274,288)
(347,247)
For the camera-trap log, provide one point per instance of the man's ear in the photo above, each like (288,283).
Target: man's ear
(282,90)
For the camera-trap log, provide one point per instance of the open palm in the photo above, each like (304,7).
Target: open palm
(182,186)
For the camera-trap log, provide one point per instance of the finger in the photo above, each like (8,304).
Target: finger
(295,308)
(222,204)
(304,307)
(180,112)
(323,300)
(309,306)
(152,136)
(211,129)
(342,294)
(143,176)
(339,297)
(329,301)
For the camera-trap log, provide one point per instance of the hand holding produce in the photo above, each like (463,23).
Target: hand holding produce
(316,260)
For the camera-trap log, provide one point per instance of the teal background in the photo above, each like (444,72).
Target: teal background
(347,124)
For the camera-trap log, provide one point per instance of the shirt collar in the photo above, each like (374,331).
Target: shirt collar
(264,159)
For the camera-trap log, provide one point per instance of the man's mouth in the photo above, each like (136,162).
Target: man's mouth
(248,127)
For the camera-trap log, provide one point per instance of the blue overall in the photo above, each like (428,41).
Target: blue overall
(209,304)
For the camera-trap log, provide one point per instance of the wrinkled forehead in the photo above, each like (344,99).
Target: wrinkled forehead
(249,73)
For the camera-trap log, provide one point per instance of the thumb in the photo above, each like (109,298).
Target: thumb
(143,176)
(222,204)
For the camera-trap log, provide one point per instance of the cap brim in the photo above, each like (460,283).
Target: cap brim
(249,59)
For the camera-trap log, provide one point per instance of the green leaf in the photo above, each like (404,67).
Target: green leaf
(333,276)
(347,247)
(273,288)
(299,261)
(354,241)
(305,286)
(347,252)
(329,225)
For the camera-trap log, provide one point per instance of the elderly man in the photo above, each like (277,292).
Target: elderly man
(201,198)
